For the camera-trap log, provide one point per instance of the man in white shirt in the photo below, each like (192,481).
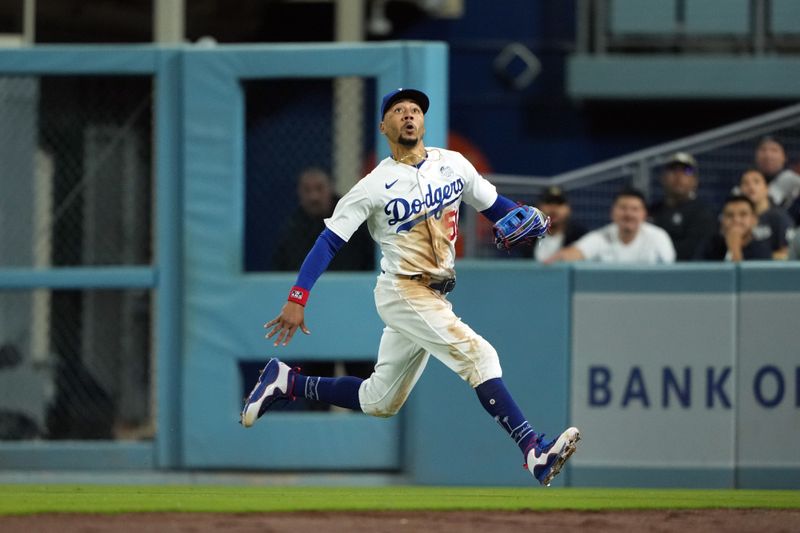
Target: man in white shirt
(628,239)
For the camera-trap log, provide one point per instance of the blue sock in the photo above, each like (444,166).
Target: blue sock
(335,391)
(497,401)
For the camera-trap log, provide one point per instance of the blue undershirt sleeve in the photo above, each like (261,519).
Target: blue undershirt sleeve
(499,208)
(318,258)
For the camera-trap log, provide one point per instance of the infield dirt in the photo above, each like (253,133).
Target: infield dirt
(717,520)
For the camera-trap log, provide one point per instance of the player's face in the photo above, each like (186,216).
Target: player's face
(754,186)
(738,215)
(770,158)
(628,213)
(679,181)
(404,123)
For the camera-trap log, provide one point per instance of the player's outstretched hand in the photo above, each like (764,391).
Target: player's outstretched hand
(285,324)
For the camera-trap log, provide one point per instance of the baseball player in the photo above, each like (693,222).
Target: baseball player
(411,203)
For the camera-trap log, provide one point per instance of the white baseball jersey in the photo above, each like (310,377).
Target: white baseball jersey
(413,212)
(651,245)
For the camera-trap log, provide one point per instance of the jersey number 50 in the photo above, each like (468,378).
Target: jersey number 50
(451,219)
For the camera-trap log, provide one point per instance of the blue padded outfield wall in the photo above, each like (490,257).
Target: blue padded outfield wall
(686,375)
(225,308)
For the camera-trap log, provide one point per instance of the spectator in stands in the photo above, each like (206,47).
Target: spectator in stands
(774,225)
(735,241)
(628,239)
(687,220)
(317,200)
(563,229)
(784,183)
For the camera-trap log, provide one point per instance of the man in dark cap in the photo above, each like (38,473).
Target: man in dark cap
(687,220)
(563,229)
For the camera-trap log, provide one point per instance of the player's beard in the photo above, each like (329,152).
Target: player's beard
(410,142)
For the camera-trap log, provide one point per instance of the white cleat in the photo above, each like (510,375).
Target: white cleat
(274,383)
(546,459)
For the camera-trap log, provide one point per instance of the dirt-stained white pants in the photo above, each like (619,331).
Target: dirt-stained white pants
(420,321)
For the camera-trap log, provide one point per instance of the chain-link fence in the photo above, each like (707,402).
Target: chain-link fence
(76,175)
(307,142)
(722,154)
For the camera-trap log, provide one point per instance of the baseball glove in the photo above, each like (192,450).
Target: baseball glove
(520,225)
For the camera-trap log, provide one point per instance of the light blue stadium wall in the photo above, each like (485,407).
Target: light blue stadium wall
(225,308)
(544,321)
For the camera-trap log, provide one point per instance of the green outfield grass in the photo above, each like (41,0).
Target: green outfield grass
(27,499)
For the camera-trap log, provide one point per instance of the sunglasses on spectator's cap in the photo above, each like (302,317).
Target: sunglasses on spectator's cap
(682,160)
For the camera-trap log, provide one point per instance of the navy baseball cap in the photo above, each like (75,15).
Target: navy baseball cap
(405,94)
